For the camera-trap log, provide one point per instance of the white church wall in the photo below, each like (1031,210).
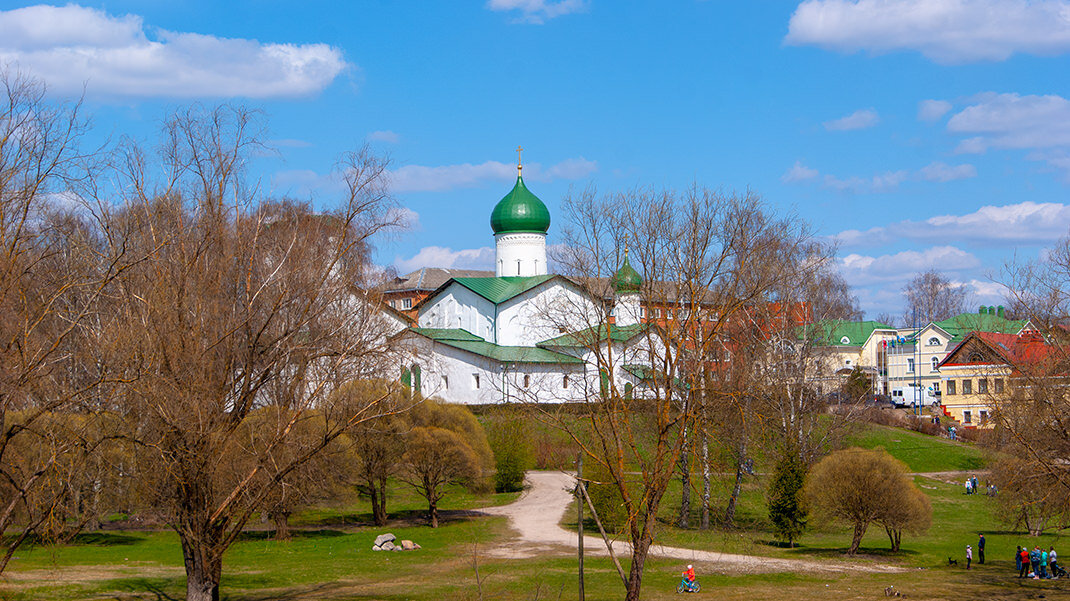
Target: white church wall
(459,307)
(540,313)
(458,376)
(520,254)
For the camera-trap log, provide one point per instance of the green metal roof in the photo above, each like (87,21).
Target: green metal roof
(587,337)
(964,323)
(520,211)
(499,290)
(627,278)
(466,341)
(837,332)
(446,334)
(649,374)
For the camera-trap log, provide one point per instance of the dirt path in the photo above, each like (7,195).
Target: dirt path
(537,514)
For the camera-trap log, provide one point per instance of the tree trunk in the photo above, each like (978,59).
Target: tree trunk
(282,524)
(895,535)
(635,572)
(432,513)
(380,511)
(203,571)
(856,540)
(730,511)
(685,483)
(378,506)
(705,483)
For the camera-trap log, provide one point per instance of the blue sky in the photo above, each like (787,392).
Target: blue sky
(916,133)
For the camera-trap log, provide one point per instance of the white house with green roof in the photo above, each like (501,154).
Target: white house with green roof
(911,359)
(844,345)
(523,334)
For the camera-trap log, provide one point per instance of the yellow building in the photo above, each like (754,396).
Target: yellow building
(978,372)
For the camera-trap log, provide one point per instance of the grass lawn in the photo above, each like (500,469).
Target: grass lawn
(330,556)
(921,453)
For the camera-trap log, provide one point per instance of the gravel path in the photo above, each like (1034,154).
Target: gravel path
(537,514)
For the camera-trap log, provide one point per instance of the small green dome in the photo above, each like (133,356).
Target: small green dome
(520,211)
(627,278)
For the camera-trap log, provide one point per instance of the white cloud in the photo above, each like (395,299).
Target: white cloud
(438,256)
(420,178)
(860,119)
(1021,223)
(946,31)
(1013,121)
(864,270)
(932,110)
(538,11)
(798,173)
(577,168)
(384,136)
(68,46)
(883,182)
(942,172)
(985,291)
(305,182)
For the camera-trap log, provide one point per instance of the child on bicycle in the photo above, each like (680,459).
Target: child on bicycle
(689,576)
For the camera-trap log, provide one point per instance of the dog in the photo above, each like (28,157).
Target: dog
(952,562)
(891,592)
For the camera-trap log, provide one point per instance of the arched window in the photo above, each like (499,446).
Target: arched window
(416,378)
(527,380)
(934,341)
(935,363)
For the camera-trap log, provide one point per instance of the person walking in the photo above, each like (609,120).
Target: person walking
(1018,560)
(969,556)
(1023,565)
(981,549)
(1053,559)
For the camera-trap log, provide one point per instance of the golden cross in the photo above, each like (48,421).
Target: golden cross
(519,163)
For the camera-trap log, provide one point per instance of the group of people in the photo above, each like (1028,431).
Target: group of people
(971,487)
(1037,563)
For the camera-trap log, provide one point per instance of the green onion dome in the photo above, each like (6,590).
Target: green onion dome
(627,278)
(520,211)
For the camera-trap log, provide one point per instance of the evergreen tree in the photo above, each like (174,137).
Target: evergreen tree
(787,508)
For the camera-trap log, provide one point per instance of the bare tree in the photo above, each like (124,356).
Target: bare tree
(931,296)
(51,278)
(240,304)
(706,258)
(1031,427)
(435,457)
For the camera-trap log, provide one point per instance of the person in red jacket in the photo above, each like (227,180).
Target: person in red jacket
(689,573)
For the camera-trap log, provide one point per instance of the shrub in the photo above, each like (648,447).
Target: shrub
(859,487)
(787,506)
(514,454)
(606,498)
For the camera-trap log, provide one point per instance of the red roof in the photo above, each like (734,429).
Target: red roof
(1015,349)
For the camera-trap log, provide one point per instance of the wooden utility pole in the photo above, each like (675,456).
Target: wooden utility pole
(580,498)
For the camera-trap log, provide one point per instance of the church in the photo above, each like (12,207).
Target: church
(524,334)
